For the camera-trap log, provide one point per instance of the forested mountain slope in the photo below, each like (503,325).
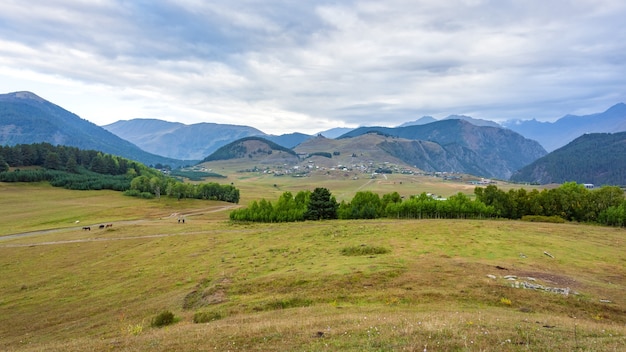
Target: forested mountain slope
(598,158)
(26,118)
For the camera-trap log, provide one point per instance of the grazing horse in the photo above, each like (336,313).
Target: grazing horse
(101,226)
(109,225)
(87,228)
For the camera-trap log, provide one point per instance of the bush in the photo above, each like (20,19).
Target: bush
(277,304)
(162,319)
(540,218)
(363,250)
(205,317)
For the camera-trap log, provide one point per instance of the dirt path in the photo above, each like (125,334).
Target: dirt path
(95,226)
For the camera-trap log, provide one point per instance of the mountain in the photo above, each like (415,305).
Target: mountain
(473,121)
(596,158)
(288,140)
(421,121)
(553,135)
(335,132)
(26,118)
(479,150)
(360,151)
(429,119)
(255,150)
(195,141)
(379,150)
(177,140)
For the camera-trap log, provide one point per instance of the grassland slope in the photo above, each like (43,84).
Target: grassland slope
(439,285)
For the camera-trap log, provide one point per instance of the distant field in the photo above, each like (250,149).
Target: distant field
(343,185)
(299,286)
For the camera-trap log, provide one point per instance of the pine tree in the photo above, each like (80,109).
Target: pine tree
(322,205)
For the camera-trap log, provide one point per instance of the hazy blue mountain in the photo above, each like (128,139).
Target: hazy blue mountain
(597,158)
(421,121)
(553,135)
(26,118)
(335,132)
(289,140)
(429,119)
(473,121)
(496,152)
(195,141)
(177,140)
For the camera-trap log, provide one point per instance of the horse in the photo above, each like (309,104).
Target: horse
(109,225)
(87,228)
(101,226)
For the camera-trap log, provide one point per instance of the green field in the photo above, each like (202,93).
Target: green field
(311,286)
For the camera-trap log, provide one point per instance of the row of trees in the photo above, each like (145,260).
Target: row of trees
(72,168)
(65,158)
(150,187)
(84,180)
(571,202)
(305,205)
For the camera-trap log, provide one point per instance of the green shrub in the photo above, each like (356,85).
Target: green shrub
(363,250)
(162,319)
(541,218)
(285,303)
(205,317)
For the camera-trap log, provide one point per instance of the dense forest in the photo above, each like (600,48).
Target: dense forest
(569,202)
(596,158)
(73,168)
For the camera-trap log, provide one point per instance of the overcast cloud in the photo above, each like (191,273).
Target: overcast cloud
(283,66)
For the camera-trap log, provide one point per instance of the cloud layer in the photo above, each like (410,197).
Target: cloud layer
(284,66)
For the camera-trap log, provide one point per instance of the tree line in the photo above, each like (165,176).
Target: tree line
(305,205)
(151,187)
(569,202)
(77,169)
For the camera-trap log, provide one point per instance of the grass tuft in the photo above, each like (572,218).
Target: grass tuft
(206,317)
(363,250)
(163,319)
(277,304)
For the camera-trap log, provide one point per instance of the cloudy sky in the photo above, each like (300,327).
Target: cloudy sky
(286,65)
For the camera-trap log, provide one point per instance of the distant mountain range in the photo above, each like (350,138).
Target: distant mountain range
(596,158)
(553,135)
(26,118)
(429,119)
(456,143)
(179,141)
(190,142)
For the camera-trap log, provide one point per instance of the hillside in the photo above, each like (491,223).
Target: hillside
(463,147)
(596,158)
(254,150)
(26,118)
(353,152)
(442,285)
(553,135)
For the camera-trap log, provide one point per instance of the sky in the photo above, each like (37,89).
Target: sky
(306,66)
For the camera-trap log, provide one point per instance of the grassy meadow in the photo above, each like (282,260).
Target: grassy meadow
(379,285)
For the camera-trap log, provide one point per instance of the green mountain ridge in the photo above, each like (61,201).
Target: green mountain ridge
(26,118)
(596,158)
